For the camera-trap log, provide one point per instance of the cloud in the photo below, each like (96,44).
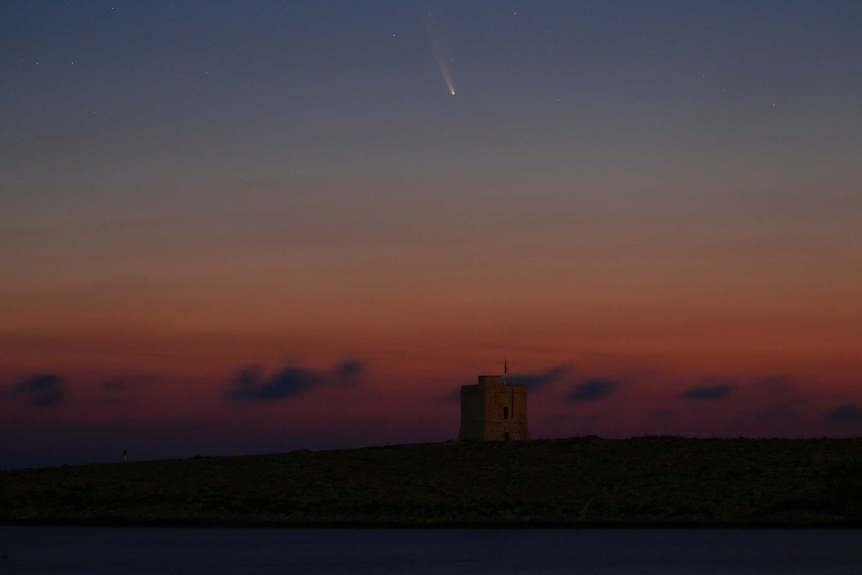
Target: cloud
(779,401)
(127,383)
(535,381)
(776,385)
(709,392)
(40,390)
(844,413)
(593,390)
(348,369)
(291,381)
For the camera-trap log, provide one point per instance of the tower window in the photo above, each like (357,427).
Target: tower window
(506,413)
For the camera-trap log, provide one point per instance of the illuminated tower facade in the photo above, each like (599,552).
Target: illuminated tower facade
(492,410)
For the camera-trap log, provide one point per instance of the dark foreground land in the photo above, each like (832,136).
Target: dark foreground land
(649,481)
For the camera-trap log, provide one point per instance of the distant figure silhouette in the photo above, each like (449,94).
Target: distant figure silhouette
(125,456)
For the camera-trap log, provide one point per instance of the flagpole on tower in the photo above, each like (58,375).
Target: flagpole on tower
(505,369)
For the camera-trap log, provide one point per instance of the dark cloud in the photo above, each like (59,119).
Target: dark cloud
(593,390)
(781,403)
(291,381)
(348,369)
(535,381)
(40,390)
(127,383)
(709,392)
(251,383)
(776,385)
(113,385)
(845,413)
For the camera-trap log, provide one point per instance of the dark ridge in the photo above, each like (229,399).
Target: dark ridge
(577,482)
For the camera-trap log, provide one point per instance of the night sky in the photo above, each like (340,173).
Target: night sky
(244,227)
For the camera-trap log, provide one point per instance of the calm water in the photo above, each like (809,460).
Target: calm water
(95,550)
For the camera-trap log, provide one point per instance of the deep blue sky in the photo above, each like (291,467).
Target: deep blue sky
(214,90)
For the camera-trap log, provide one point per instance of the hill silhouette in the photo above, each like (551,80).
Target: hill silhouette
(582,481)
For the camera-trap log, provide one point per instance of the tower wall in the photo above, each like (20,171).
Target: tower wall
(493,411)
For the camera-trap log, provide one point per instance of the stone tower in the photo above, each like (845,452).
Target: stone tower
(493,411)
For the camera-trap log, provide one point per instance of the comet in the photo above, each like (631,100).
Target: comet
(440,54)
(443,62)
